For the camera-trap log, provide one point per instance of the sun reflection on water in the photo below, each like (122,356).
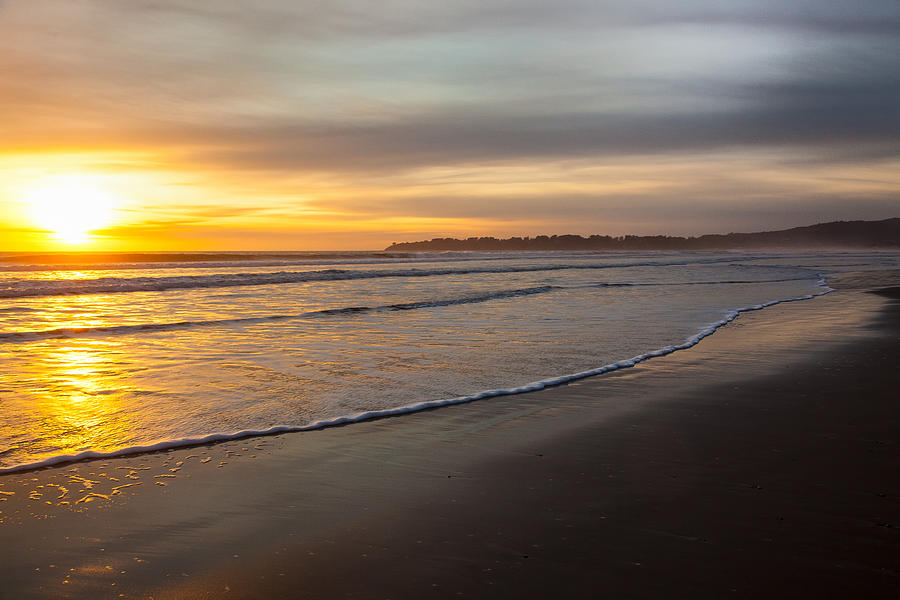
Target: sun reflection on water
(71,275)
(79,312)
(79,401)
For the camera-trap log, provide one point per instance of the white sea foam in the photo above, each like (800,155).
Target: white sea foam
(138,328)
(25,288)
(262,260)
(73,332)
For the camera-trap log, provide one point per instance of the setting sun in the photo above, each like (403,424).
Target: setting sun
(70,207)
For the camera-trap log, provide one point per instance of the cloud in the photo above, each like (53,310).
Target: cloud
(413,85)
(854,115)
(394,18)
(832,17)
(336,101)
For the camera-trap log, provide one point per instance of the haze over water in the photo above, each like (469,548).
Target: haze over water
(124,356)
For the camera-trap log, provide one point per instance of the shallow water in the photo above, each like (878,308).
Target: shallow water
(124,356)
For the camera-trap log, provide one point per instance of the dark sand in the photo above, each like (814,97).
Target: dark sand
(763,463)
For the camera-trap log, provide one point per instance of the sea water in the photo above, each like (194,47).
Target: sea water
(106,359)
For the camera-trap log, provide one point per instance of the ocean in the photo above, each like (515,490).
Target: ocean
(119,358)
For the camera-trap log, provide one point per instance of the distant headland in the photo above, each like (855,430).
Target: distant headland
(836,234)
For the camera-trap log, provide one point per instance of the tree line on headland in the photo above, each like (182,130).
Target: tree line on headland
(837,234)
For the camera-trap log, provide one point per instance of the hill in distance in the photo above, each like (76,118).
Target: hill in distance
(837,234)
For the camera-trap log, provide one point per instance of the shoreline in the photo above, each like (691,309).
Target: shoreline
(186,443)
(707,472)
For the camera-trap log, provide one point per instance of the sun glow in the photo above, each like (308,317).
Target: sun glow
(70,207)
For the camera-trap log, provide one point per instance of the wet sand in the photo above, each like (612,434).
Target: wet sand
(761,463)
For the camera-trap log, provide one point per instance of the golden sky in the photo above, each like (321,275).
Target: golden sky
(295,125)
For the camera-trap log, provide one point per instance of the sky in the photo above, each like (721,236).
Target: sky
(347,124)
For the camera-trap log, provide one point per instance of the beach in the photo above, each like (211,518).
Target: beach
(761,462)
(409,301)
